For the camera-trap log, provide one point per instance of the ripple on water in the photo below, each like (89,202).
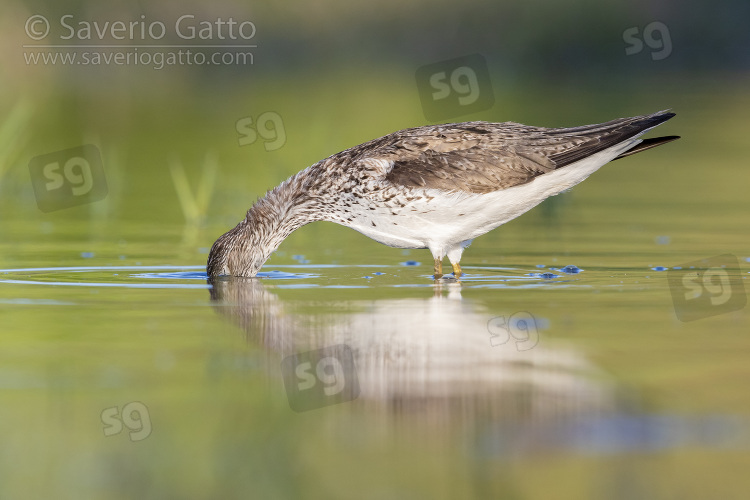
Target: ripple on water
(124,276)
(546,276)
(571,270)
(297,276)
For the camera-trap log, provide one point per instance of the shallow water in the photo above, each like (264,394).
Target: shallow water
(346,371)
(115,373)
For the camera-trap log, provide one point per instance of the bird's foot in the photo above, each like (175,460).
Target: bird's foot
(457,270)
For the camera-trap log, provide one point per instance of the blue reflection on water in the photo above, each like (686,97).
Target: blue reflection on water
(618,433)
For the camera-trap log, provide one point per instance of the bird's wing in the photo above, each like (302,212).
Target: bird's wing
(480,157)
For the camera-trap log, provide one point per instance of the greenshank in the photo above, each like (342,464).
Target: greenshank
(436,187)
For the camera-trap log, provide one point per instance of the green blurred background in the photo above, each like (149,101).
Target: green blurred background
(334,74)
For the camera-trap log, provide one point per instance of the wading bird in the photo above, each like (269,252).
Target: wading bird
(435,187)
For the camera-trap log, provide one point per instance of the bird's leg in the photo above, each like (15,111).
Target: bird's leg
(438,268)
(454,256)
(456,269)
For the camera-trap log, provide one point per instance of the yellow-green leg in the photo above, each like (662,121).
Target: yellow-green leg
(438,268)
(456,270)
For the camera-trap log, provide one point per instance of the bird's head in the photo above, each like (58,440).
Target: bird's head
(236,254)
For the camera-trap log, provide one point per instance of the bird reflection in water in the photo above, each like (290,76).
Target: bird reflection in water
(432,367)
(431,359)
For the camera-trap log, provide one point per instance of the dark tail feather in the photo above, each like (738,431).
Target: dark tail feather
(605,135)
(648,144)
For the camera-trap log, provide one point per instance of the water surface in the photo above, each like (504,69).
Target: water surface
(124,373)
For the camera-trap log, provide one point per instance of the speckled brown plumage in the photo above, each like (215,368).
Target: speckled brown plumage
(408,189)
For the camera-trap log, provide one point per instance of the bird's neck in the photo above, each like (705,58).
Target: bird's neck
(274,217)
